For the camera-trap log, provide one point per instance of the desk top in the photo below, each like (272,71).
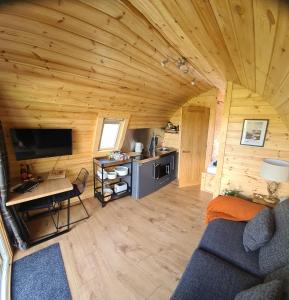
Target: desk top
(46,188)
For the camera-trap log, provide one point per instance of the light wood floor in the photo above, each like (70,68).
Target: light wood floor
(132,249)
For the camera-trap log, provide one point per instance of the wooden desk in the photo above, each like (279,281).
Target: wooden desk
(46,188)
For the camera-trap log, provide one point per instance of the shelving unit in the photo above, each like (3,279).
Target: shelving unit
(104,164)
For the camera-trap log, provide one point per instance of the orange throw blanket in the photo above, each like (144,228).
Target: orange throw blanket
(232,208)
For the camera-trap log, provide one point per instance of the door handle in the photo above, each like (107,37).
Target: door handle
(168,169)
(186,151)
(156,174)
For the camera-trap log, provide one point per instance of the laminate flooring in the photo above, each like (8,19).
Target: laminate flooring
(130,249)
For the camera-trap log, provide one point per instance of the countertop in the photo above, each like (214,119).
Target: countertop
(151,156)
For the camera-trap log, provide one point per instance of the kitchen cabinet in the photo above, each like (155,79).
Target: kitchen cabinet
(145,178)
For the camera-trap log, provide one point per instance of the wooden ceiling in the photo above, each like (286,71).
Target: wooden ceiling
(94,55)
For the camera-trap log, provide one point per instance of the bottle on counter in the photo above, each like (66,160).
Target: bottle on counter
(23,172)
(29,172)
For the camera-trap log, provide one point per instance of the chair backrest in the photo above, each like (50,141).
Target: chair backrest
(81,180)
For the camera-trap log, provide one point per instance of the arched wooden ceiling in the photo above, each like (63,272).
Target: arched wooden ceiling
(91,55)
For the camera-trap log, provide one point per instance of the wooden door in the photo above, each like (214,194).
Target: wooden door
(194,133)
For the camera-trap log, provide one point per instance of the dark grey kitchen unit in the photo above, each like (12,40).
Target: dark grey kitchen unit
(152,174)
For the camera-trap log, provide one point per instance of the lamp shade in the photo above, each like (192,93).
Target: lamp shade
(275,170)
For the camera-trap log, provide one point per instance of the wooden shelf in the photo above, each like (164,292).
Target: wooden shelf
(172,131)
(106,163)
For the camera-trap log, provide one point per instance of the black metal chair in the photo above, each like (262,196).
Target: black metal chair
(79,185)
(41,204)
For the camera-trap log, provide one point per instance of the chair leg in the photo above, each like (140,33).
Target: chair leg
(51,215)
(83,206)
(87,215)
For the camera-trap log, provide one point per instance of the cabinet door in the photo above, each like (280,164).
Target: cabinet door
(146,179)
(174,164)
(166,179)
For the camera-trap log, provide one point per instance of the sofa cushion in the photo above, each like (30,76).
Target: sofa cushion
(270,291)
(275,254)
(225,239)
(208,277)
(259,230)
(282,275)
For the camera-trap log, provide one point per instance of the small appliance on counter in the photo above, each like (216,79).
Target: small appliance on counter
(138,147)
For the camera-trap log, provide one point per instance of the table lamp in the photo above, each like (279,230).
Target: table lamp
(274,171)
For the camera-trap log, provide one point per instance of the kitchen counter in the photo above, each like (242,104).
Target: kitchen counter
(144,158)
(153,171)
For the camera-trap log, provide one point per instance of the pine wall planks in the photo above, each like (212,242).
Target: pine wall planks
(242,164)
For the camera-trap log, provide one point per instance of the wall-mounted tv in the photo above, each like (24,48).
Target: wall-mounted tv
(38,143)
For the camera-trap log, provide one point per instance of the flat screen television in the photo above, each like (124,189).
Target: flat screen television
(38,143)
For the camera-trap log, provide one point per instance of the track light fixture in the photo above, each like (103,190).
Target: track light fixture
(182,64)
(164,62)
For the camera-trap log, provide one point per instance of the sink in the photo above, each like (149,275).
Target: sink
(164,149)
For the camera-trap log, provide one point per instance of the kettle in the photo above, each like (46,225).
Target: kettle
(138,147)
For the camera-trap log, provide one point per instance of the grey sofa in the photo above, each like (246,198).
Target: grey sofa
(221,268)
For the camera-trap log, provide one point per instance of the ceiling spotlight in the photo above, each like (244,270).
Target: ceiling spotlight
(193,82)
(184,68)
(164,62)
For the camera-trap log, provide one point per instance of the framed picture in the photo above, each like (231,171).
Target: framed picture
(254,132)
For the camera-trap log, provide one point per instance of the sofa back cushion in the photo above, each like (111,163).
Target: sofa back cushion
(259,230)
(275,254)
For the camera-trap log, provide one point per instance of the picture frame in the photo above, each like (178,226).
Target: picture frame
(254,132)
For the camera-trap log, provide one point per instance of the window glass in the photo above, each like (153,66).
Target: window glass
(109,135)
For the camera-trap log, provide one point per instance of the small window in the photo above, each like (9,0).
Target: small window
(109,134)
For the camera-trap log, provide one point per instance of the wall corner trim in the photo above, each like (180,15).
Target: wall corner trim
(223,137)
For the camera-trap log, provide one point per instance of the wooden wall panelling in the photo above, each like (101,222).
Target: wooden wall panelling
(130,17)
(243,19)
(160,17)
(95,21)
(223,138)
(224,19)
(208,182)
(196,19)
(241,164)
(265,24)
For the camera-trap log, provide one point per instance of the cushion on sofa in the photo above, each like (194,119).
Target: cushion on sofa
(232,208)
(259,230)
(270,291)
(225,239)
(275,254)
(208,277)
(282,275)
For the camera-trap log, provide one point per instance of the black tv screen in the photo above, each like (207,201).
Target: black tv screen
(38,143)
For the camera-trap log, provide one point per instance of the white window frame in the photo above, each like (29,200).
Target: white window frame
(122,118)
(109,121)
